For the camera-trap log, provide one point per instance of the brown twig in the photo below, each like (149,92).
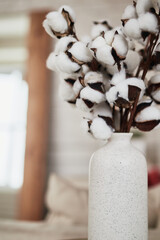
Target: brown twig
(121,118)
(124,120)
(143,58)
(153,42)
(133,112)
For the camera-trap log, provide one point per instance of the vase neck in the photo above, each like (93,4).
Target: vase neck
(124,138)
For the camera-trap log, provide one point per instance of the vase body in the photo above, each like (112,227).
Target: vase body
(118,192)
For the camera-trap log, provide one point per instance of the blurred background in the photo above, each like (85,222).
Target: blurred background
(40,134)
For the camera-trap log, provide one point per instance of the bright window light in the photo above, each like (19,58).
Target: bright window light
(13,117)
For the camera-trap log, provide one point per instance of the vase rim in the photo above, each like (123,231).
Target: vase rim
(121,136)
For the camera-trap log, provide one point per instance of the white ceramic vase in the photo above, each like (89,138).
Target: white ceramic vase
(118,192)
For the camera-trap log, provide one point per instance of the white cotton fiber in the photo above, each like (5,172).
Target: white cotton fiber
(97,29)
(118,77)
(104,55)
(155,79)
(69,10)
(131,44)
(129,12)
(121,89)
(57,22)
(156,95)
(132,61)
(80,104)
(109,36)
(77,87)
(143,6)
(92,95)
(98,42)
(158,47)
(85,68)
(112,69)
(102,109)
(93,77)
(51,62)
(132,29)
(81,52)
(111,95)
(100,129)
(62,44)
(66,91)
(148,22)
(64,64)
(48,28)
(148,114)
(120,45)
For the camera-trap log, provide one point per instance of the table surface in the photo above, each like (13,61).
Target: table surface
(153,235)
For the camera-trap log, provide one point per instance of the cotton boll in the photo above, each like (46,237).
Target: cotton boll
(148,22)
(136,82)
(85,69)
(81,105)
(64,64)
(100,129)
(120,45)
(143,6)
(112,69)
(121,90)
(66,91)
(156,95)
(51,62)
(102,109)
(62,44)
(69,10)
(77,87)
(118,77)
(157,67)
(97,29)
(93,77)
(57,22)
(132,61)
(111,95)
(81,52)
(131,44)
(92,95)
(158,47)
(155,79)
(148,114)
(48,28)
(98,42)
(109,37)
(132,29)
(154,88)
(104,55)
(129,12)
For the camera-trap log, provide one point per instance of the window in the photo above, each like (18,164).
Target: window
(13,98)
(13,110)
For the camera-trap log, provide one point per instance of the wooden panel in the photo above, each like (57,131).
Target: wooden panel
(32,194)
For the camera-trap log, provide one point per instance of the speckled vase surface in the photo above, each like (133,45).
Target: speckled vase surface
(118,192)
